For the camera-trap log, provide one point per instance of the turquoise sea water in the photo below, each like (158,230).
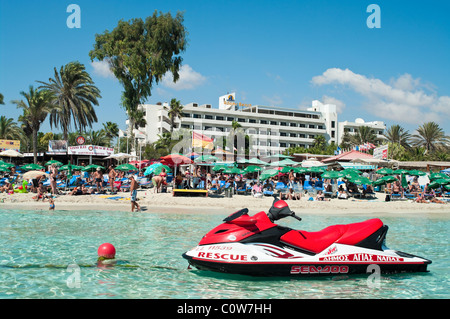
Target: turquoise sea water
(54,255)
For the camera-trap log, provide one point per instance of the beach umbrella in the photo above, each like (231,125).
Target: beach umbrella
(385,171)
(333,174)
(11,153)
(57,163)
(156,169)
(416,172)
(126,167)
(92,167)
(315,169)
(279,156)
(206,158)
(268,173)
(253,169)
(175,159)
(287,169)
(4,169)
(434,176)
(300,169)
(400,171)
(33,174)
(31,167)
(7,165)
(66,167)
(234,170)
(384,180)
(257,161)
(360,180)
(284,162)
(219,167)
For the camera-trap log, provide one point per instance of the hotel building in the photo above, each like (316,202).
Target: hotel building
(271,129)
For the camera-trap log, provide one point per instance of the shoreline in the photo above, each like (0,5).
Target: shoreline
(166,203)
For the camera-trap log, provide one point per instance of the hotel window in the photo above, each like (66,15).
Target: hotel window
(320,127)
(283,123)
(293,135)
(282,144)
(302,135)
(186,115)
(332,134)
(219,118)
(273,123)
(333,124)
(252,121)
(263,122)
(311,126)
(302,125)
(292,145)
(230,119)
(283,134)
(208,117)
(293,125)
(196,116)
(311,136)
(241,120)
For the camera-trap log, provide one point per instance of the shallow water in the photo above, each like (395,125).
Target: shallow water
(54,255)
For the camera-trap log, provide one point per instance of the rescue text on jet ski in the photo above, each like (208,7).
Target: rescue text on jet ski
(255,245)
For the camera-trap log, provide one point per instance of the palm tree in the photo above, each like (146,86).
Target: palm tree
(75,93)
(9,129)
(1,99)
(431,137)
(175,111)
(397,134)
(98,138)
(364,134)
(111,129)
(35,110)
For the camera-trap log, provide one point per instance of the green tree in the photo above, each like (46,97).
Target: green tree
(175,111)
(140,53)
(9,129)
(35,110)
(1,99)
(431,137)
(75,93)
(397,134)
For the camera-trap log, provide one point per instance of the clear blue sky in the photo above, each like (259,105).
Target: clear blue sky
(276,53)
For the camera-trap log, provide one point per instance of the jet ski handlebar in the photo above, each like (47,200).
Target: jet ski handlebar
(280,209)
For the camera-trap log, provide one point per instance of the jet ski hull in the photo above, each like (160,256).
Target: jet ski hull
(270,260)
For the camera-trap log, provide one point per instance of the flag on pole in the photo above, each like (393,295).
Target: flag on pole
(200,140)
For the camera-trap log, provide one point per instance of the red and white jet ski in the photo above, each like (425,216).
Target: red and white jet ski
(254,245)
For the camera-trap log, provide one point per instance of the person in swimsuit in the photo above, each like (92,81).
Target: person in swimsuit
(133,189)
(52,203)
(112,177)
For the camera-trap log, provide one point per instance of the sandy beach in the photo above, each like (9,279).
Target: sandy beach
(217,204)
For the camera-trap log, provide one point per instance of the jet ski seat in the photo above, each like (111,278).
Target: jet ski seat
(349,234)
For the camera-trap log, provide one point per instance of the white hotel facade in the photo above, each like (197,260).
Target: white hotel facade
(271,129)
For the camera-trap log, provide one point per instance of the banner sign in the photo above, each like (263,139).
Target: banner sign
(381,152)
(9,145)
(57,146)
(90,150)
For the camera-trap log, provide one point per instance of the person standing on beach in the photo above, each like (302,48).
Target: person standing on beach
(98,178)
(53,175)
(112,177)
(133,189)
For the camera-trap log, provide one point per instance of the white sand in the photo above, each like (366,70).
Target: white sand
(166,203)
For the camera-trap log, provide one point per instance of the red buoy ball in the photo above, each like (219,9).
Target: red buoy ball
(107,251)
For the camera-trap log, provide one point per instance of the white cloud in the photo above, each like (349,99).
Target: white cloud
(101,68)
(340,105)
(189,79)
(403,100)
